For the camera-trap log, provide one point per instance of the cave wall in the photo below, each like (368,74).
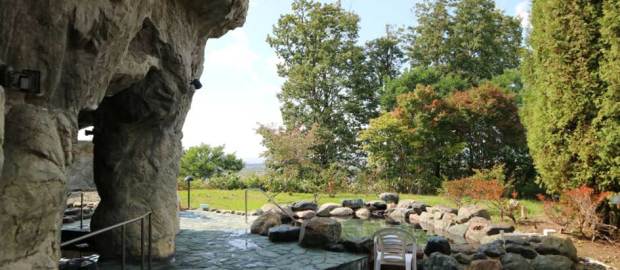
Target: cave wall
(80,174)
(123,66)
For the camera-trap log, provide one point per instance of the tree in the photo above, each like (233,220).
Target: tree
(326,77)
(427,138)
(385,56)
(443,84)
(571,96)
(205,161)
(471,38)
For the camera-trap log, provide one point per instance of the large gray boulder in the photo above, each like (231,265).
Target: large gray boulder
(465,213)
(437,244)
(320,232)
(439,261)
(552,262)
(353,203)
(263,223)
(283,233)
(326,208)
(362,213)
(552,245)
(511,261)
(341,212)
(304,205)
(477,229)
(389,197)
(376,205)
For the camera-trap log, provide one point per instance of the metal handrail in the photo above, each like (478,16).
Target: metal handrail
(122,225)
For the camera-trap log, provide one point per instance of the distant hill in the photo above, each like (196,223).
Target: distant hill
(253,168)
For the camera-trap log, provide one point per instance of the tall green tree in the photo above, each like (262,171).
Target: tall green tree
(571,93)
(205,161)
(470,38)
(385,56)
(326,77)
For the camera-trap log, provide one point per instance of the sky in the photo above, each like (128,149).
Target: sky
(240,82)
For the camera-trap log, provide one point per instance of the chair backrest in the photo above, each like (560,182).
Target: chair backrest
(392,243)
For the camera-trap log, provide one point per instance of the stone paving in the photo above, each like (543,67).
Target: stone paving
(221,241)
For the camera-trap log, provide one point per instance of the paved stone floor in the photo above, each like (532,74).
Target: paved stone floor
(221,241)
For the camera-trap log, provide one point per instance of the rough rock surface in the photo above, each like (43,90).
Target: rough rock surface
(439,261)
(437,244)
(341,212)
(389,197)
(283,233)
(304,205)
(123,66)
(552,262)
(320,232)
(465,213)
(512,261)
(353,203)
(326,208)
(487,264)
(263,223)
(80,175)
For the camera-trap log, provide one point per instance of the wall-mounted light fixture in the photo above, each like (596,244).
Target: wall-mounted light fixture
(27,81)
(196,84)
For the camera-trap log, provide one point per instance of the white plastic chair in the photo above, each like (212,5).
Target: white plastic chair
(391,248)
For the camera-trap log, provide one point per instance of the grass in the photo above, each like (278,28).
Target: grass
(234,199)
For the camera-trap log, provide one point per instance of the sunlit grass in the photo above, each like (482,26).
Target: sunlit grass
(234,199)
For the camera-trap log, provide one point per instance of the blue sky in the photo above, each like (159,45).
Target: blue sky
(240,80)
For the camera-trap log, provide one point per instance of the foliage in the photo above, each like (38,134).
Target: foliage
(576,211)
(328,81)
(229,181)
(488,186)
(428,138)
(471,38)
(571,99)
(410,79)
(204,161)
(385,56)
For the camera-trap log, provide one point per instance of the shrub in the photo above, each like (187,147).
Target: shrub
(229,181)
(576,212)
(457,190)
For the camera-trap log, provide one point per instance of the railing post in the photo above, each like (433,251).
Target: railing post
(123,247)
(150,240)
(81,210)
(142,243)
(246,206)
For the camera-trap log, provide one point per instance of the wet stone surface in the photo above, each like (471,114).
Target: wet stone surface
(222,241)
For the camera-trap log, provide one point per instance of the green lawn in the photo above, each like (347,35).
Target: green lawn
(234,199)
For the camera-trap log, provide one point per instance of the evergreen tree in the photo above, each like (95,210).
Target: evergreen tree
(571,93)
(327,79)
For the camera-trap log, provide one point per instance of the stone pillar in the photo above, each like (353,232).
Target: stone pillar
(31,189)
(137,151)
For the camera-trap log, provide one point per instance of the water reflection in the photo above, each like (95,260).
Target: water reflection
(359,228)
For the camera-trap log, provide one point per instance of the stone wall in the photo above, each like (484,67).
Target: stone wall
(123,66)
(80,174)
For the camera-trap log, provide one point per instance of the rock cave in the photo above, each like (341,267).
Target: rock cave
(122,66)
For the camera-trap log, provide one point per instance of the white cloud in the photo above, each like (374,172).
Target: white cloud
(523,10)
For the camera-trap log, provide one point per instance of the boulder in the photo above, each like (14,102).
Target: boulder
(477,229)
(437,244)
(487,264)
(458,230)
(512,261)
(494,249)
(263,223)
(419,207)
(326,208)
(445,222)
(439,261)
(306,214)
(553,245)
(405,204)
(376,205)
(552,262)
(362,245)
(400,215)
(320,232)
(377,214)
(494,229)
(284,211)
(462,258)
(353,203)
(524,251)
(389,197)
(362,213)
(283,233)
(341,212)
(442,209)
(304,205)
(465,213)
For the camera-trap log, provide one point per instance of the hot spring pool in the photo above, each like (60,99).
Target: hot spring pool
(359,228)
